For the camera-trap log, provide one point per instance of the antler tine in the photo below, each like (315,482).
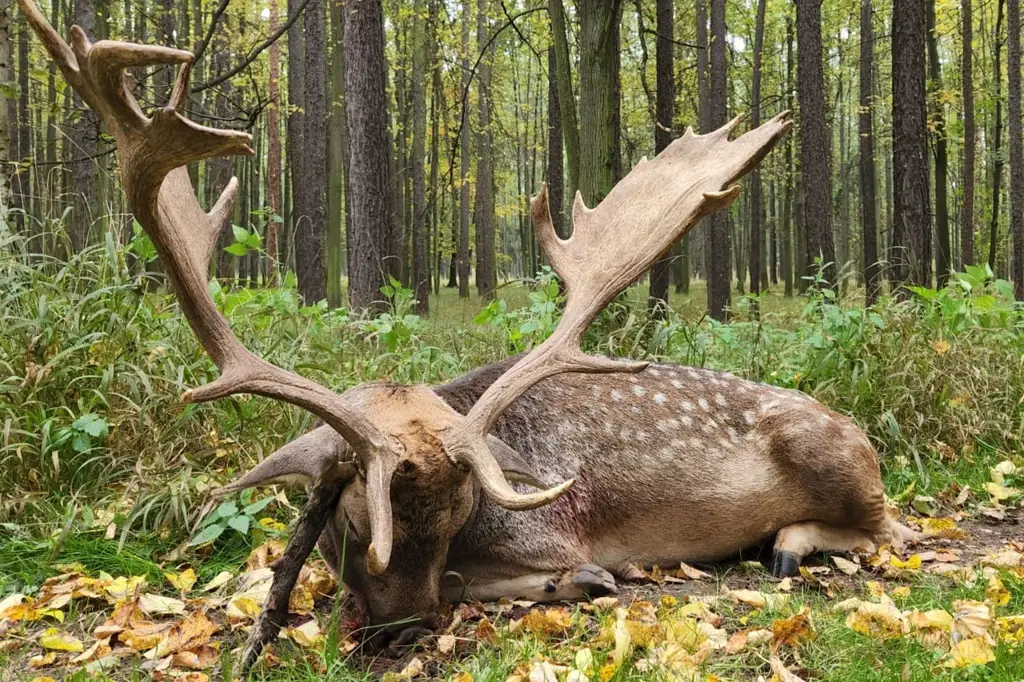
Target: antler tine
(611,246)
(153,153)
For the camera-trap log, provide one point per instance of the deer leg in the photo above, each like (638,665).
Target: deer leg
(323,499)
(798,540)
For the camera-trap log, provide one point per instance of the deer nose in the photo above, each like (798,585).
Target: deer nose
(404,635)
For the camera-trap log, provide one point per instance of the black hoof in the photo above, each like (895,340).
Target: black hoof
(594,580)
(785,564)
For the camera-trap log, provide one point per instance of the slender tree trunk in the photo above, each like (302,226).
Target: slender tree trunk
(664,117)
(295,144)
(309,236)
(566,107)
(420,265)
(943,256)
(869,210)
(786,244)
(701,233)
(814,141)
(556,171)
(997,144)
(435,205)
(336,212)
(486,276)
(22,185)
(912,227)
(464,161)
(81,146)
(717,242)
(970,135)
(1013,61)
(372,238)
(6,75)
(274,153)
(756,222)
(599,133)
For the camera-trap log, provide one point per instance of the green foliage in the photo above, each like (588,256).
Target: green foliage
(228,515)
(245,241)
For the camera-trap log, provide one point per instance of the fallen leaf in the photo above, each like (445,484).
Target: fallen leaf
(972,619)
(42,660)
(996,592)
(1000,493)
(933,626)
(793,631)
(968,652)
(183,581)
(308,635)
(463,677)
(882,620)
(845,565)
(446,644)
(159,605)
(1010,630)
(549,622)
(412,669)
(219,580)
(690,573)
(999,472)
(1005,558)
(55,641)
(122,588)
(198,659)
(190,633)
(912,563)
(782,673)
(744,638)
(759,600)
(923,504)
(942,528)
(99,649)
(606,603)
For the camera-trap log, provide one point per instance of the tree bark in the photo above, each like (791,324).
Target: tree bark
(566,108)
(295,143)
(1013,60)
(756,226)
(997,144)
(82,137)
(869,208)
(309,235)
(970,135)
(464,160)
(943,256)
(599,133)
(6,75)
(336,212)
(486,276)
(717,234)
(555,169)
(814,142)
(273,154)
(912,225)
(371,246)
(420,265)
(664,117)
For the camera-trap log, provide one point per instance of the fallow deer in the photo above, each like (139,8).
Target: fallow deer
(530,478)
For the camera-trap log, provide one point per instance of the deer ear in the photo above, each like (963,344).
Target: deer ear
(515,468)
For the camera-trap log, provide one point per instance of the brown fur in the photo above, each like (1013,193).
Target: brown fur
(671,464)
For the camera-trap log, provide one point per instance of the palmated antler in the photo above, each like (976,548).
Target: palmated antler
(153,152)
(611,246)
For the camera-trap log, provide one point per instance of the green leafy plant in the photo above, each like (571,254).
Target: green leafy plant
(245,241)
(229,516)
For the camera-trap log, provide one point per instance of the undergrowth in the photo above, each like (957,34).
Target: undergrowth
(94,357)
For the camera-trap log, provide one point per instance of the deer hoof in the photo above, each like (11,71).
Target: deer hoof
(594,581)
(785,564)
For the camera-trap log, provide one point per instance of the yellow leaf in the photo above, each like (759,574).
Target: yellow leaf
(996,592)
(940,346)
(219,580)
(43,678)
(548,622)
(159,605)
(760,600)
(307,635)
(183,581)
(968,652)
(190,633)
(272,524)
(463,677)
(1000,493)
(99,649)
(43,660)
(972,619)
(901,592)
(782,673)
(793,631)
(199,659)
(875,589)
(942,528)
(999,472)
(56,641)
(912,563)
(1010,629)
(122,588)
(882,620)
(845,565)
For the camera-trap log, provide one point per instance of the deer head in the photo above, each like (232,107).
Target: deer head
(399,444)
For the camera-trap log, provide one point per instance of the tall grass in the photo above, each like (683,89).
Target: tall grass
(93,358)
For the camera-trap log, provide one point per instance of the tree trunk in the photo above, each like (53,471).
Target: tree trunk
(273,154)
(436,203)
(912,225)
(6,75)
(295,144)
(997,144)
(814,142)
(22,186)
(420,265)
(943,255)
(556,171)
(464,161)
(566,108)
(970,136)
(754,183)
(869,209)
(700,232)
(1013,59)
(336,157)
(599,133)
(309,235)
(486,276)
(371,243)
(82,135)
(664,117)
(717,241)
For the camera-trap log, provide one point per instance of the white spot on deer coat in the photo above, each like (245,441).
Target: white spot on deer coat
(660,398)
(616,395)
(686,405)
(639,391)
(720,400)
(703,404)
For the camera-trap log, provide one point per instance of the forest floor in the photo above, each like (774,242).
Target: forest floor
(951,607)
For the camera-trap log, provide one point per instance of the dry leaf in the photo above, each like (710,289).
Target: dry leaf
(968,652)
(1000,493)
(882,620)
(192,632)
(942,528)
(183,581)
(199,659)
(219,580)
(55,641)
(43,660)
(159,605)
(606,603)
(1010,630)
(553,621)
(308,635)
(845,565)
(759,600)
(412,669)
(782,673)
(690,573)
(793,631)
(972,619)
(996,592)
(99,649)
(446,644)
(999,472)
(912,563)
